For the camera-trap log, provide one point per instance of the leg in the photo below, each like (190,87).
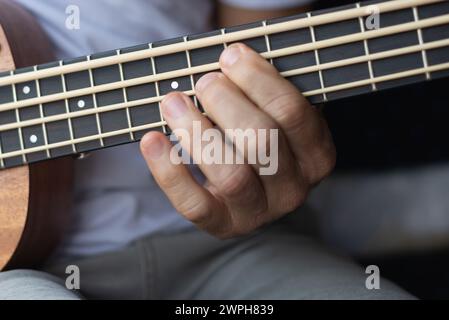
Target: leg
(277,263)
(33,285)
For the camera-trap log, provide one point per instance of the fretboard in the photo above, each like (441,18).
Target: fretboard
(110,98)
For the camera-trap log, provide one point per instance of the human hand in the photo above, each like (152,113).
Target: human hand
(248,93)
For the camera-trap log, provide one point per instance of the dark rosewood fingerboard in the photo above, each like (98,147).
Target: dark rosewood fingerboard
(105,128)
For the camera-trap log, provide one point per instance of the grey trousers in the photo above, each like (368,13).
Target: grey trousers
(277,262)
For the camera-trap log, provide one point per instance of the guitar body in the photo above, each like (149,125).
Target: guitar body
(35,199)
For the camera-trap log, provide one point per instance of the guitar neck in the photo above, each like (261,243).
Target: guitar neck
(110,98)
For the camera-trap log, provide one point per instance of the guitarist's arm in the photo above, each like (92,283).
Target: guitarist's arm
(248,93)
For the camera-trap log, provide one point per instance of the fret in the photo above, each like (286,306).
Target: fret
(288,39)
(305,82)
(309,82)
(205,55)
(401,63)
(169,62)
(317,59)
(67,110)
(192,81)
(60,131)
(367,52)
(398,64)
(108,74)
(33,136)
(50,85)
(6,117)
(113,120)
(11,143)
(196,78)
(153,64)
(94,97)
(29,113)
(76,80)
(258,44)
(435,33)
(116,120)
(296,61)
(144,115)
(143,91)
(340,75)
(433,10)
(138,68)
(398,40)
(175,84)
(81,103)
(25,90)
(439,55)
(83,126)
(223,32)
(41,114)
(344,74)
(421,42)
(267,41)
(19,130)
(86,126)
(125,98)
(54,108)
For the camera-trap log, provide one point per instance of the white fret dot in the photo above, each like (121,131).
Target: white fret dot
(26,90)
(175,85)
(81,104)
(33,139)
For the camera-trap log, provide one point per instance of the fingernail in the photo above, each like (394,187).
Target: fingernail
(230,55)
(154,149)
(206,80)
(174,107)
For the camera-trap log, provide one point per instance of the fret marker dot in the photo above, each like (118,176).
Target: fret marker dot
(26,90)
(175,85)
(33,139)
(81,104)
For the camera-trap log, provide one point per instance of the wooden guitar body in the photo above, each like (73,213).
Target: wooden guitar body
(37,195)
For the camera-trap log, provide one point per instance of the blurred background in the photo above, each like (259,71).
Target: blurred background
(388,202)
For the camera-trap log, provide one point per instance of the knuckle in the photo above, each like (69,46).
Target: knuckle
(212,82)
(287,109)
(170,181)
(268,124)
(236,183)
(195,211)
